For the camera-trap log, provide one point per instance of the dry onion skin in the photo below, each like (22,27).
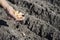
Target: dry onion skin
(19,15)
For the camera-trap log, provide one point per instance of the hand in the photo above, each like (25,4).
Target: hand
(17,15)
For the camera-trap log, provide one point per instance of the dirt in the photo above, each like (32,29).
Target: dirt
(42,21)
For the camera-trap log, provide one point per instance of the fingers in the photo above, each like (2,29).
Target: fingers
(18,16)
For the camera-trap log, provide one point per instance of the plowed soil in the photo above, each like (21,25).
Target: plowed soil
(42,21)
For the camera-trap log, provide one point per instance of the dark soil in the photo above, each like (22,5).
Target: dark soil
(42,21)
